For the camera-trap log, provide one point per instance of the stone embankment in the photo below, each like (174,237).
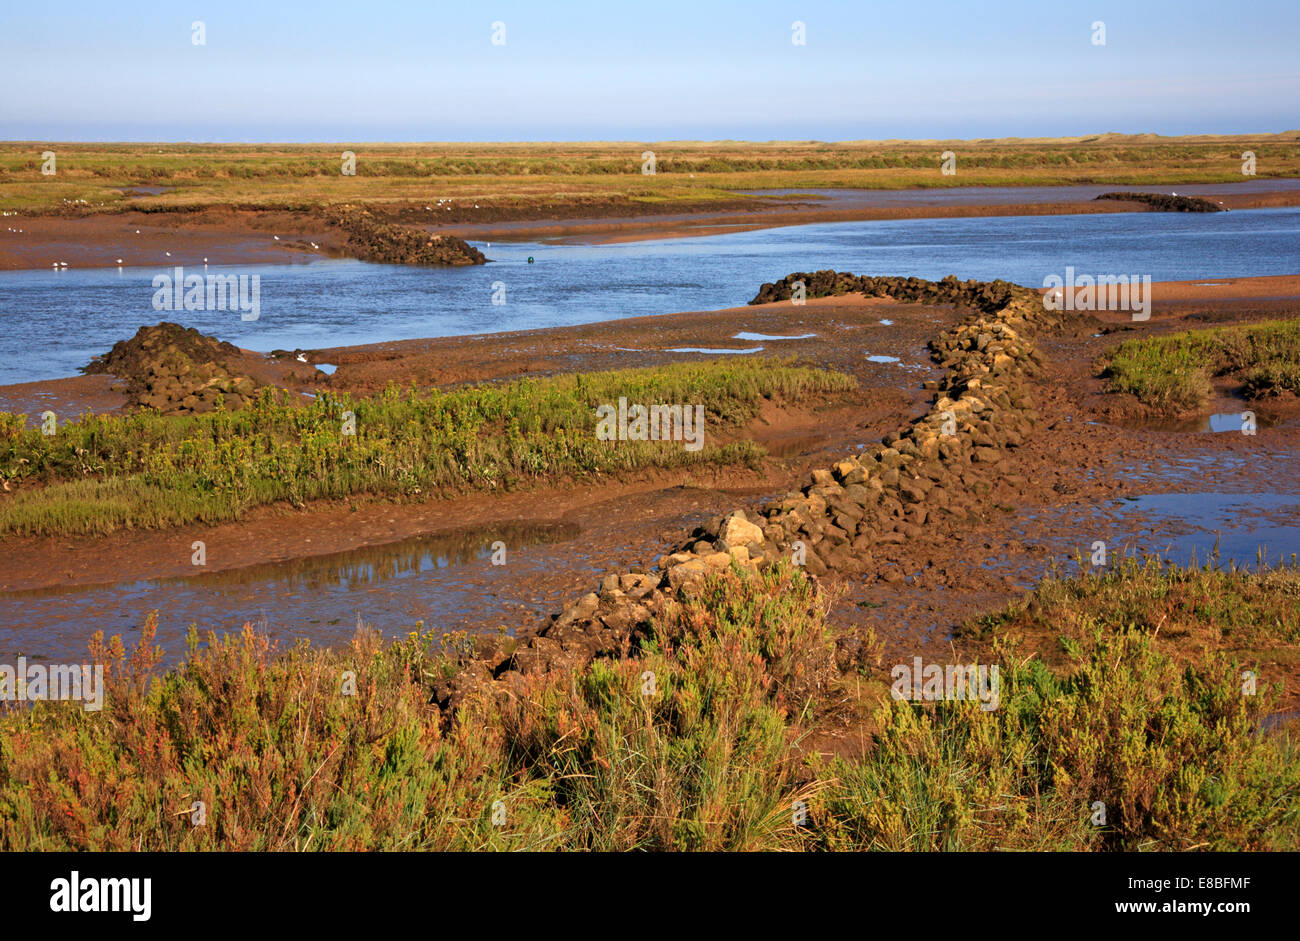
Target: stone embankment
(369,239)
(939,470)
(1167,203)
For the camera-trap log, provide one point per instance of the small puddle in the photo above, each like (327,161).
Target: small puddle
(886,323)
(1182,527)
(1179,527)
(443,574)
(704,349)
(1236,525)
(327,368)
(1217,423)
(879,358)
(755,337)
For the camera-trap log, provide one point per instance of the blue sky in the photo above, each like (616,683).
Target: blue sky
(612,70)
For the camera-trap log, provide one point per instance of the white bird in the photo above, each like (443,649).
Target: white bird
(276,237)
(119,261)
(168,254)
(137,231)
(302,357)
(205,261)
(63,264)
(314,245)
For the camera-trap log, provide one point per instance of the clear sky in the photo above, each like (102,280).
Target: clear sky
(372,70)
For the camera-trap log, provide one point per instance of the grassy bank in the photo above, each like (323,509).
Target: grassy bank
(100,474)
(1174,375)
(1192,610)
(709,756)
(297,176)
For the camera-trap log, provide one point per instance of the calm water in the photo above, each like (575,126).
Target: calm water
(1021,195)
(428,578)
(54,322)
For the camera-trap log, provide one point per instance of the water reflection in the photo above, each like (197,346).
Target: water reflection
(1216,423)
(322,597)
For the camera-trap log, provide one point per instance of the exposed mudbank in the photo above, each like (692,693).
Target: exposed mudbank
(1171,203)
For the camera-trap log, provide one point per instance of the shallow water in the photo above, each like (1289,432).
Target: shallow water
(1018,195)
(336,303)
(1214,423)
(1238,528)
(1234,526)
(391,587)
(1218,423)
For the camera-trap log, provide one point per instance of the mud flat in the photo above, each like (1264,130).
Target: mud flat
(919,528)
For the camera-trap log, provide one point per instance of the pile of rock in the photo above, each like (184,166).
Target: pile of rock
(177,370)
(940,468)
(369,239)
(987,296)
(1171,203)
